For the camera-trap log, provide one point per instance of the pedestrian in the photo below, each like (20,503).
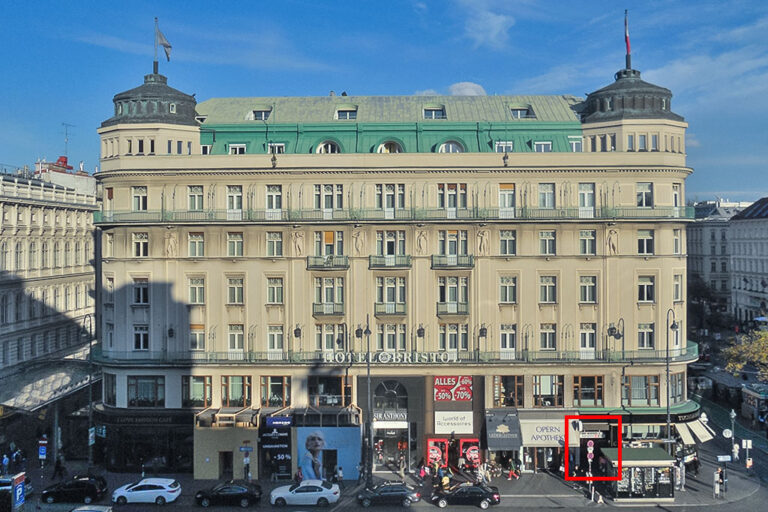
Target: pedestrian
(273,470)
(58,469)
(360,474)
(422,473)
(401,468)
(6,462)
(682,475)
(340,477)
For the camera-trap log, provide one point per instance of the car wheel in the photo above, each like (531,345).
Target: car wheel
(366,503)
(484,504)
(160,500)
(87,500)
(205,502)
(280,502)
(406,502)
(49,499)
(322,502)
(122,500)
(244,503)
(442,503)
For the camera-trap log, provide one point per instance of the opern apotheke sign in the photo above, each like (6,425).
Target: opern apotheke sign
(390,357)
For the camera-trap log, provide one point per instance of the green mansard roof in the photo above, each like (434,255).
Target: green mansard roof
(387,109)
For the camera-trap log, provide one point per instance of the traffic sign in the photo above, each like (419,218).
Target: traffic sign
(727,433)
(723,458)
(590,456)
(590,443)
(19,489)
(246,448)
(746,444)
(42,449)
(91,436)
(590,449)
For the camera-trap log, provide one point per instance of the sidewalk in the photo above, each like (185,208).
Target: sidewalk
(720,416)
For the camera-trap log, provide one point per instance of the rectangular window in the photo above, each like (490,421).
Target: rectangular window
(548,289)
(504,146)
(329,290)
(390,243)
(141,337)
(235,290)
(576,145)
(452,243)
(630,142)
(140,244)
(274,243)
(546,195)
(508,242)
(548,337)
(179,146)
(350,115)
(588,289)
(329,197)
(434,113)
(275,391)
(274,198)
(205,149)
(677,388)
(640,390)
(275,290)
(507,201)
(389,197)
(677,287)
(140,290)
(451,195)
(390,337)
(453,290)
(588,391)
(236,337)
(146,391)
(197,290)
(275,148)
(195,198)
(645,195)
(139,198)
(508,390)
(197,337)
(261,115)
(645,289)
(507,341)
(641,143)
(654,142)
(195,391)
(390,290)
(547,241)
(275,338)
(645,337)
(236,391)
(329,243)
(677,242)
(110,389)
(645,241)
(542,147)
(196,245)
(508,289)
(234,244)
(237,149)
(587,242)
(548,390)
(453,337)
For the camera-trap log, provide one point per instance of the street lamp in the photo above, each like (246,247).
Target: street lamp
(732,415)
(359,332)
(86,334)
(617,333)
(669,417)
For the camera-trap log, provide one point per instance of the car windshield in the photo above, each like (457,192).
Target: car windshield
(294,486)
(327,485)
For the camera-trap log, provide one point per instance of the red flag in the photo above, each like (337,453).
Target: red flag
(626,32)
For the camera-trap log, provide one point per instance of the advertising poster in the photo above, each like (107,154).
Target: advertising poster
(437,452)
(470,450)
(321,449)
(453,388)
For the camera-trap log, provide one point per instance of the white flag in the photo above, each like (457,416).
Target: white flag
(162,41)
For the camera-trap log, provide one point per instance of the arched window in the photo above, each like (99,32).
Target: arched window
(56,255)
(390,394)
(4,256)
(44,256)
(67,254)
(389,146)
(32,256)
(450,146)
(19,262)
(328,147)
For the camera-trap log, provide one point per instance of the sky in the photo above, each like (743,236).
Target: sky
(64,61)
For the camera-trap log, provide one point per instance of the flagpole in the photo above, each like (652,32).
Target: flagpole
(154,63)
(626,39)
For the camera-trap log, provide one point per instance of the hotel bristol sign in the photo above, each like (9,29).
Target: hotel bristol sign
(390,357)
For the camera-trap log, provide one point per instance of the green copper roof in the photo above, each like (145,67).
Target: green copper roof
(387,109)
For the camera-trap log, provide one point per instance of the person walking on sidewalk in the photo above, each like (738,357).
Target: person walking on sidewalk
(6,462)
(340,477)
(58,469)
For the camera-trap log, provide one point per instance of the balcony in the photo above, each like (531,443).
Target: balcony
(389,308)
(327,262)
(405,214)
(389,261)
(453,261)
(452,308)
(328,309)
(688,354)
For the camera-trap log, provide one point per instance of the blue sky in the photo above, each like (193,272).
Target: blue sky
(63,62)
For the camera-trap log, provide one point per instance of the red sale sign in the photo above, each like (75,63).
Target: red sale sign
(453,388)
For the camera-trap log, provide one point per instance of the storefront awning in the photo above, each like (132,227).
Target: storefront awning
(639,457)
(685,434)
(700,430)
(41,384)
(547,428)
(502,429)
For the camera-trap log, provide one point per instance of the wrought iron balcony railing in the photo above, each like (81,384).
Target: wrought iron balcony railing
(389,308)
(327,309)
(390,261)
(327,262)
(452,308)
(453,261)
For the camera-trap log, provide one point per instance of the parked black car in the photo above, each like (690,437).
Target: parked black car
(481,495)
(389,493)
(242,494)
(77,489)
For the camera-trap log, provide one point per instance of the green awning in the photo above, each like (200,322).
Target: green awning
(639,457)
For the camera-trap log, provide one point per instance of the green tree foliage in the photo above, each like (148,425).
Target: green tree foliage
(750,348)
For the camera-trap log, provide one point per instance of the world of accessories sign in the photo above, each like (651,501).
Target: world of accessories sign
(390,357)
(453,388)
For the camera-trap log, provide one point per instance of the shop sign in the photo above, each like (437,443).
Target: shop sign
(279,421)
(390,357)
(453,388)
(593,435)
(389,415)
(453,422)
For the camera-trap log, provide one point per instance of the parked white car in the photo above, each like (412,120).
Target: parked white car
(308,492)
(148,490)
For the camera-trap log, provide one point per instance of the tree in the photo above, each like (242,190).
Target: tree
(751,348)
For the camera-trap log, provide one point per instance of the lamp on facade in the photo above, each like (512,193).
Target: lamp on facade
(617,333)
(420,331)
(297,332)
(673,327)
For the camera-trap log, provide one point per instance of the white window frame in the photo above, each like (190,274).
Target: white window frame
(646,289)
(196,290)
(434,113)
(587,242)
(275,148)
(451,146)
(646,336)
(548,243)
(542,146)
(346,114)
(274,243)
(588,289)
(139,199)
(235,290)
(547,289)
(196,339)
(508,289)
(237,149)
(645,242)
(236,338)
(548,336)
(195,198)
(140,337)
(504,146)
(508,242)
(196,247)
(546,196)
(390,337)
(235,244)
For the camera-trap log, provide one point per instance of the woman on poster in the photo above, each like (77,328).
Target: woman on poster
(311,463)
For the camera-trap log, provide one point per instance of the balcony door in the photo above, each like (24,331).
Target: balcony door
(587,340)
(506,201)
(508,342)
(586,200)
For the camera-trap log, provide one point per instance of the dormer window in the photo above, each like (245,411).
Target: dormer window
(260,115)
(347,114)
(328,147)
(119,109)
(522,112)
(450,146)
(172,108)
(437,112)
(389,147)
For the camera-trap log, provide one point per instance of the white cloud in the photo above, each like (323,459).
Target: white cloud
(485,25)
(427,92)
(691,141)
(466,89)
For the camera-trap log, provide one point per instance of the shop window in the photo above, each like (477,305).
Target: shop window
(146,391)
(195,391)
(329,391)
(677,388)
(275,391)
(548,390)
(588,391)
(390,395)
(236,391)
(508,390)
